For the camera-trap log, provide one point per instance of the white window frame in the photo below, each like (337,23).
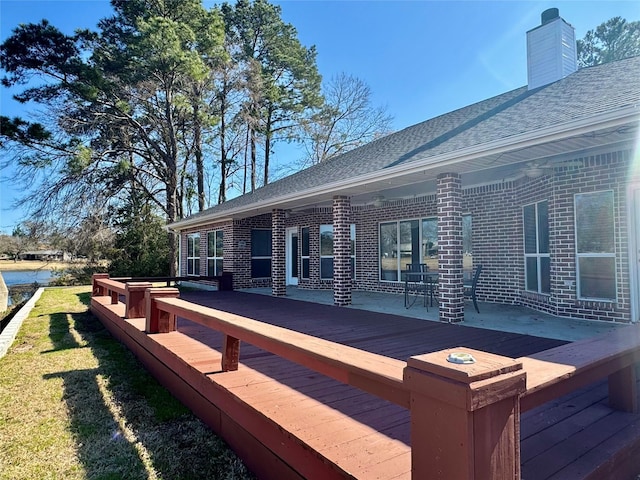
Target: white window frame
(399,267)
(215,258)
(421,220)
(305,258)
(537,254)
(584,255)
(352,238)
(193,254)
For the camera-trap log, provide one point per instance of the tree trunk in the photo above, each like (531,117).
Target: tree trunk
(246,149)
(222,193)
(253,160)
(197,140)
(171,181)
(267,150)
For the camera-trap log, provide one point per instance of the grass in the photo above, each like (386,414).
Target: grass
(75,404)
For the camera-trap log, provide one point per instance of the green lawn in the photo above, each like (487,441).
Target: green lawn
(75,404)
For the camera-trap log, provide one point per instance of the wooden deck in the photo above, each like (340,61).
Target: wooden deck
(272,409)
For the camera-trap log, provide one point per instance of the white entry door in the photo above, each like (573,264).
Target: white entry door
(292,256)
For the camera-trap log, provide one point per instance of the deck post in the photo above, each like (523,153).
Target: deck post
(465,418)
(115,297)
(135,299)
(623,389)
(230,354)
(98,290)
(157,320)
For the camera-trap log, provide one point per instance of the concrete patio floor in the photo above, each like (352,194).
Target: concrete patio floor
(508,318)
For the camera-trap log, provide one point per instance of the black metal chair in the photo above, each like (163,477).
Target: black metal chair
(414,284)
(470,288)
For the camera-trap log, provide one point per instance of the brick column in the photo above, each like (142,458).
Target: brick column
(341,251)
(278,254)
(465,418)
(450,282)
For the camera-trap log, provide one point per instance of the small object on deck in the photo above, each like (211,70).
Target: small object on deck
(461,357)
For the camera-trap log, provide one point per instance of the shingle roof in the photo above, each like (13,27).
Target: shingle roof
(586,93)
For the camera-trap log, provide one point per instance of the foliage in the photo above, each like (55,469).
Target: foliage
(161,99)
(141,247)
(73,275)
(116,102)
(281,77)
(612,40)
(23,238)
(346,120)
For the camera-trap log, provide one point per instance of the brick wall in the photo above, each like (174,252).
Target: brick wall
(497,230)
(498,237)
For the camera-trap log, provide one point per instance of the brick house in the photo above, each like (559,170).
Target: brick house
(540,185)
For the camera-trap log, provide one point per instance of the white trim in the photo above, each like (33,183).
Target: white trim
(633,245)
(10,332)
(179,254)
(194,258)
(290,279)
(214,257)
(613,255)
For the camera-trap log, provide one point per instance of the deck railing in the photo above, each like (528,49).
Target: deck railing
(465,418)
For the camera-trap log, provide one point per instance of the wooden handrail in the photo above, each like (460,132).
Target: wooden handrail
(113,285)
(560,370)
(373,373)
(486,397)
(103,285)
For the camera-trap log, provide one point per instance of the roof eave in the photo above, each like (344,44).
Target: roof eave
(527,139)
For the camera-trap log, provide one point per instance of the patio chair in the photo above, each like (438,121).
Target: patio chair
(470,288)
(415,286)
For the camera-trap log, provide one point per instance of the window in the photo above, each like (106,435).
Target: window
(595,246)
(537,261)
(414,241)
(193,254)
(214,253)
(305,252)
(326,251)
(261,253)
(407,241)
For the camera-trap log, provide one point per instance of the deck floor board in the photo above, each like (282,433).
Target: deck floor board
(350,433)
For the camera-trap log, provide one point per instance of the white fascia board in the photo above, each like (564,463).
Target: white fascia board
(516,142)
(197,222)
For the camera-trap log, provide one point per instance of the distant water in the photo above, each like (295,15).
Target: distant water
(17,277)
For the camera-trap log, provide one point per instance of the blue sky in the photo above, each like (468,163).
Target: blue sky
(420,58)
